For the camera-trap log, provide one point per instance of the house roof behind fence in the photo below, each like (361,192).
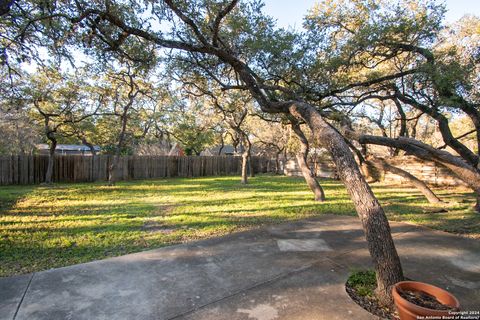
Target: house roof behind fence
(67,147)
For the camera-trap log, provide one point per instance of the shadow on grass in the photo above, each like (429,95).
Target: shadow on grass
(10,195)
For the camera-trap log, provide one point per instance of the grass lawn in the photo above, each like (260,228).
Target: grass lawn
(45,227)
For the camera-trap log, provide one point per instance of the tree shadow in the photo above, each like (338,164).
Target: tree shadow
(11,195)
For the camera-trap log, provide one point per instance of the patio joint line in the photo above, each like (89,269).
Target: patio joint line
(23,296)
(254,286)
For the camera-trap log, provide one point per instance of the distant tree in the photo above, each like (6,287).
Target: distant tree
(428,74)
(19,134)
(188,126)
(302,160)
(272,136)
(124,92)
(235,110)
(54,101)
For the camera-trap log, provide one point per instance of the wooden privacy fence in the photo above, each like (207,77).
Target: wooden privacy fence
(427,171)
(31,169)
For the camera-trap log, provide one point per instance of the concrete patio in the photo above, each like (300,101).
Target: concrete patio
(289,271)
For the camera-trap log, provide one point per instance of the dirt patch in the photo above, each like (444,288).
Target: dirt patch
(434,210)
(163,210)
(156,226)
(153,225)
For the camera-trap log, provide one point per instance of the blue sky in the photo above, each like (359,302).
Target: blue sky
(291,12)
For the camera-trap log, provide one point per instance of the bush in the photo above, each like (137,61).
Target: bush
(364,282)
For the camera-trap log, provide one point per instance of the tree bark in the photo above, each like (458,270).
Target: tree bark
(477,205)
(244,168)
(245,146)
(417,183)
(249,152)
(50,133)
(221,146)
(132,94)
(277,163)
(251,173)
(375,224)
(302,157)
(403,123)
(51,159)
(112,170)
(235,124)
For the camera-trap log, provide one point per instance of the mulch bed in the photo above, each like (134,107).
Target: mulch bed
(371,305)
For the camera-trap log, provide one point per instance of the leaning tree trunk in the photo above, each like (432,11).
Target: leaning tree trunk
(375,224)
(303,164)
(467,173)
(51,160)
(419,184)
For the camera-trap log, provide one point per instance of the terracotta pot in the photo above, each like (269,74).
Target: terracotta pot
(410,311)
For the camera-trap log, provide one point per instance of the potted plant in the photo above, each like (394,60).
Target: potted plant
(416,300)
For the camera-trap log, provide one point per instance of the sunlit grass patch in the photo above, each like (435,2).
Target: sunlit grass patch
(44,227)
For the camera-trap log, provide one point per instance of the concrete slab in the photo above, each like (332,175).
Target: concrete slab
(290,271)
(309,245)
(313,293)
(12,290)
(159,284)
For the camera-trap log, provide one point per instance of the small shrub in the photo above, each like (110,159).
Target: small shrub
(363,282)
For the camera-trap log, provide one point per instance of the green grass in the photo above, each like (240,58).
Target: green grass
(43,227)
(364,282)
